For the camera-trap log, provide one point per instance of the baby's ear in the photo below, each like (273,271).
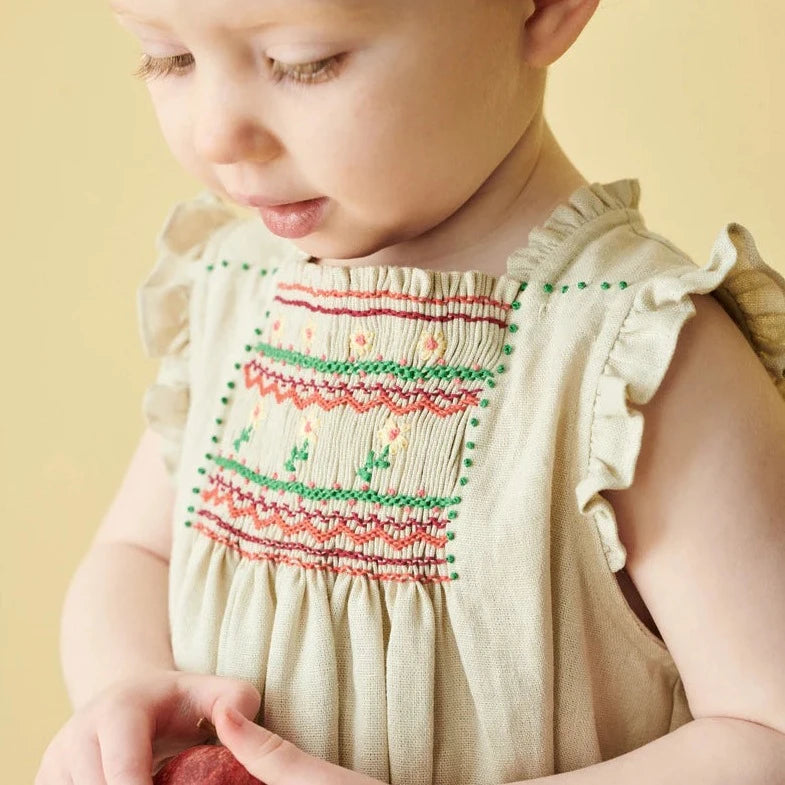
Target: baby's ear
(553,27)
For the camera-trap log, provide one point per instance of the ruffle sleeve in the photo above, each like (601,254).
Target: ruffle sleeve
(164,314)
(751,292)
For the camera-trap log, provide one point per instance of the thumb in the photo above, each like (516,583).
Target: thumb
(264,754)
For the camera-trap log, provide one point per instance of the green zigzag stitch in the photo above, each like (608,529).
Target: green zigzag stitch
(373,366)
(398,500)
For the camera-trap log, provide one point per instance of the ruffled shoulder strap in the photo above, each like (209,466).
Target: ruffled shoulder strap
(590,211)
(751,292)
(164,314)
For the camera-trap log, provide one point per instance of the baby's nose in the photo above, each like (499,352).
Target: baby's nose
(227,124)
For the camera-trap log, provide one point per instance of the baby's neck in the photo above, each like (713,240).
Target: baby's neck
(521,193)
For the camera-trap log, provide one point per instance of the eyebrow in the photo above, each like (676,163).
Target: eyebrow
(120,10)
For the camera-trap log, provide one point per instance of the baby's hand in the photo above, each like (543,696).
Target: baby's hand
(273,760)
(126,732)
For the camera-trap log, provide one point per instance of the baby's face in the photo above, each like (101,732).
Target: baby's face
(413,104)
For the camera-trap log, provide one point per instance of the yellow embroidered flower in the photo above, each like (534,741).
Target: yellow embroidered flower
(257,413)
(308,332)
(392,434)
(361,341)
(309,425)
(276,328)
(431,345)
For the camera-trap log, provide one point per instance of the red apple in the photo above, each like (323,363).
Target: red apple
(204,764)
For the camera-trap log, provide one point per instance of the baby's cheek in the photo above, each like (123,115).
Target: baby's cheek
(175,124)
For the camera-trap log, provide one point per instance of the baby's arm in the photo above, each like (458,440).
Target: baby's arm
(115,617)
(704,530)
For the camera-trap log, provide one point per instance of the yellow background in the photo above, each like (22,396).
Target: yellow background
(683,95)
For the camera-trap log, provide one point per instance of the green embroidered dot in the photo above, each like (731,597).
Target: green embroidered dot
(605,285)
(450,535)
(237,366)
(258,330)
(500,369)
(491,383)
(208,455)
(450,558)
(454,576)
(263,272)
(248,347)
(622,284)
(246,265)
(225,263)
(516,305)
(548,287)
(452,515)
(474,421)
(581,284)
(266,313)
(467,462)
(218,421)
(188,523)
(275,269)
(524,285)
(484,402)
(463,480)
(224,400)
(194,490)
(230,385)
(214,439)
(565,287)
(513,328)
(210,266)
(201,470)
(191,509)
(507,349)
(470,445)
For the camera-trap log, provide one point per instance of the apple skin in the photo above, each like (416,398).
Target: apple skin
(204,764)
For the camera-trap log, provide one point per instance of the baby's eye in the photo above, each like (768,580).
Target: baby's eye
(316,71)
(150,67)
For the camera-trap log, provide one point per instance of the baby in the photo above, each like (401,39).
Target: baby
(393,509)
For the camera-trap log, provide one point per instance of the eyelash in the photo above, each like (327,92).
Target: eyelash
(300,74)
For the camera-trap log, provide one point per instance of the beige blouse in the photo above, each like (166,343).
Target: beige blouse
(387,510)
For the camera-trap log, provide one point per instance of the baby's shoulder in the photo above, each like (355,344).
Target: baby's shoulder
(627,255)
(637,283)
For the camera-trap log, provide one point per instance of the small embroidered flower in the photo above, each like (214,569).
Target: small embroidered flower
(431,345)
(308,427)
(361,341)
(308,332)
(392,435)
(276,328)
(257,413)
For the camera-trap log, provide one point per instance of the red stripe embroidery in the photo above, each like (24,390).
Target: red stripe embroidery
(324,553)
(294,562)
(390,312)
(425,398)
(380,293)
(275,519)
